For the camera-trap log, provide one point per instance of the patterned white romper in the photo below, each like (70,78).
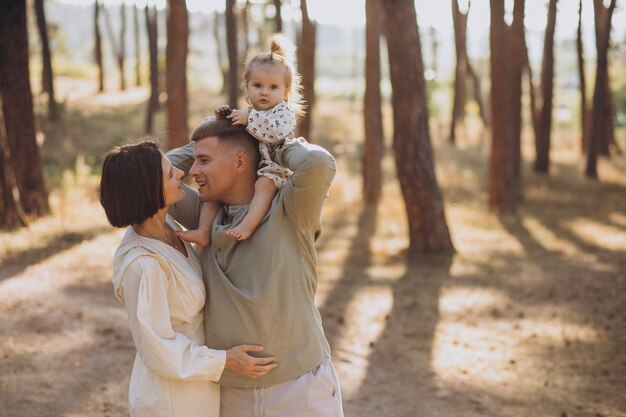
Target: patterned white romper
(270,128)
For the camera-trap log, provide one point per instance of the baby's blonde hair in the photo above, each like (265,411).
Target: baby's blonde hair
(281,53)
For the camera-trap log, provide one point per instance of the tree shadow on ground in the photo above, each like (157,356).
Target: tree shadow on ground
(17,261)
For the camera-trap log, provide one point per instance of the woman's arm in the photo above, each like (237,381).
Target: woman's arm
(163,350)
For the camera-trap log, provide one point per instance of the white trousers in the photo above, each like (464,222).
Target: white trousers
(314,394)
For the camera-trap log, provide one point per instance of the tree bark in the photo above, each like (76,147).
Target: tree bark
(17,108)
(114,46)
(47,76)
(372,115)
(137,45)
(10,216)
(584,109)
(176,73)
(278,17)
(122,51)
(233,56)
(506,54)
(460,41)
(153,101)
(542,141)
(478,94)
(98,45)
(428,230)
(221,58)
(598,128)
(306,64)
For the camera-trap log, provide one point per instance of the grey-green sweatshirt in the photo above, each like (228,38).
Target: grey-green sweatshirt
(261,290)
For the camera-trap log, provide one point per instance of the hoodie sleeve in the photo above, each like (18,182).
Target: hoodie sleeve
(164,351)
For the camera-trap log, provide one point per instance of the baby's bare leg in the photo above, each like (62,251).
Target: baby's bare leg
(264,192)
(202,235)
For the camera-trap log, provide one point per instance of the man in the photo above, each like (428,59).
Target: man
(261,290)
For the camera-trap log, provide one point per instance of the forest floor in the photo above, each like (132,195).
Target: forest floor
(527,318)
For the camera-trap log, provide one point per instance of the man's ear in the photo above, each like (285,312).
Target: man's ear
(241,162)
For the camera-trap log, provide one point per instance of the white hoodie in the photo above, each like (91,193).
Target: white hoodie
(163,293)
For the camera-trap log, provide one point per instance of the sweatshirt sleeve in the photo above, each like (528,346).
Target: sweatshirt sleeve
(182,157)
(164,351)
(271,126)
(313,171)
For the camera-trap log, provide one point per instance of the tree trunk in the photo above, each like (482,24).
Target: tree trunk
(122,51)
(423,198)
(18,108)
(176,73)
(278,17)
(306,64)
(584,110)
(460,41)
(478,94)
(233,56)
(98,45)
(372,115)
(153,101)
(47,77)
(114,47)
(506,53)
(598,128)
(10,216)
(542,141)
(137,46)
(221,58)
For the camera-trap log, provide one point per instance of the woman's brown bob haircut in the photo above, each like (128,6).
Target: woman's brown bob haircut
(131,187)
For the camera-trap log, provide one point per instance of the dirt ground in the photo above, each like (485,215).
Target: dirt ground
(528,318)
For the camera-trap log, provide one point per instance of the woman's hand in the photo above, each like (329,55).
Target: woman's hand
(240,361)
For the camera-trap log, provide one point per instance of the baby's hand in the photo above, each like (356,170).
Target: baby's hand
(222,112)
(239,117)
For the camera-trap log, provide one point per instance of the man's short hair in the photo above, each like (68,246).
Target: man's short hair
(131,186)
(234,135)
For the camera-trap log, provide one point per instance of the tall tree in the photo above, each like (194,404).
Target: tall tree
(584,108)
(137,45)
(428,230)
(278,16)
(122,51)
(153,101)
(598,125)
(544,112)
(98,44)
(221,54)
(507,47)
(459,20)
(17,108)
(118,50)
(47,76)
(233,56)
(372,115)
(306,64)
(176,72)
(10,215)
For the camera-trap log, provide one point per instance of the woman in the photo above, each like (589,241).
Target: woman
(157,277)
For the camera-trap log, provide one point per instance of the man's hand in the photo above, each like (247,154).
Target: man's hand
(239,360)
(239,117)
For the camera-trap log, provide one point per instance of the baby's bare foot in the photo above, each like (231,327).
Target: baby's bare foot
(241,231)
(199,237)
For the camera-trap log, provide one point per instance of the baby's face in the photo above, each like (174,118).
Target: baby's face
(267,86)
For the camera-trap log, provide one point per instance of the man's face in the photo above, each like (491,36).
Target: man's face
(214,169)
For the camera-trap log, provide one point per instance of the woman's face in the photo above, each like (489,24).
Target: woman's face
(172,185)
